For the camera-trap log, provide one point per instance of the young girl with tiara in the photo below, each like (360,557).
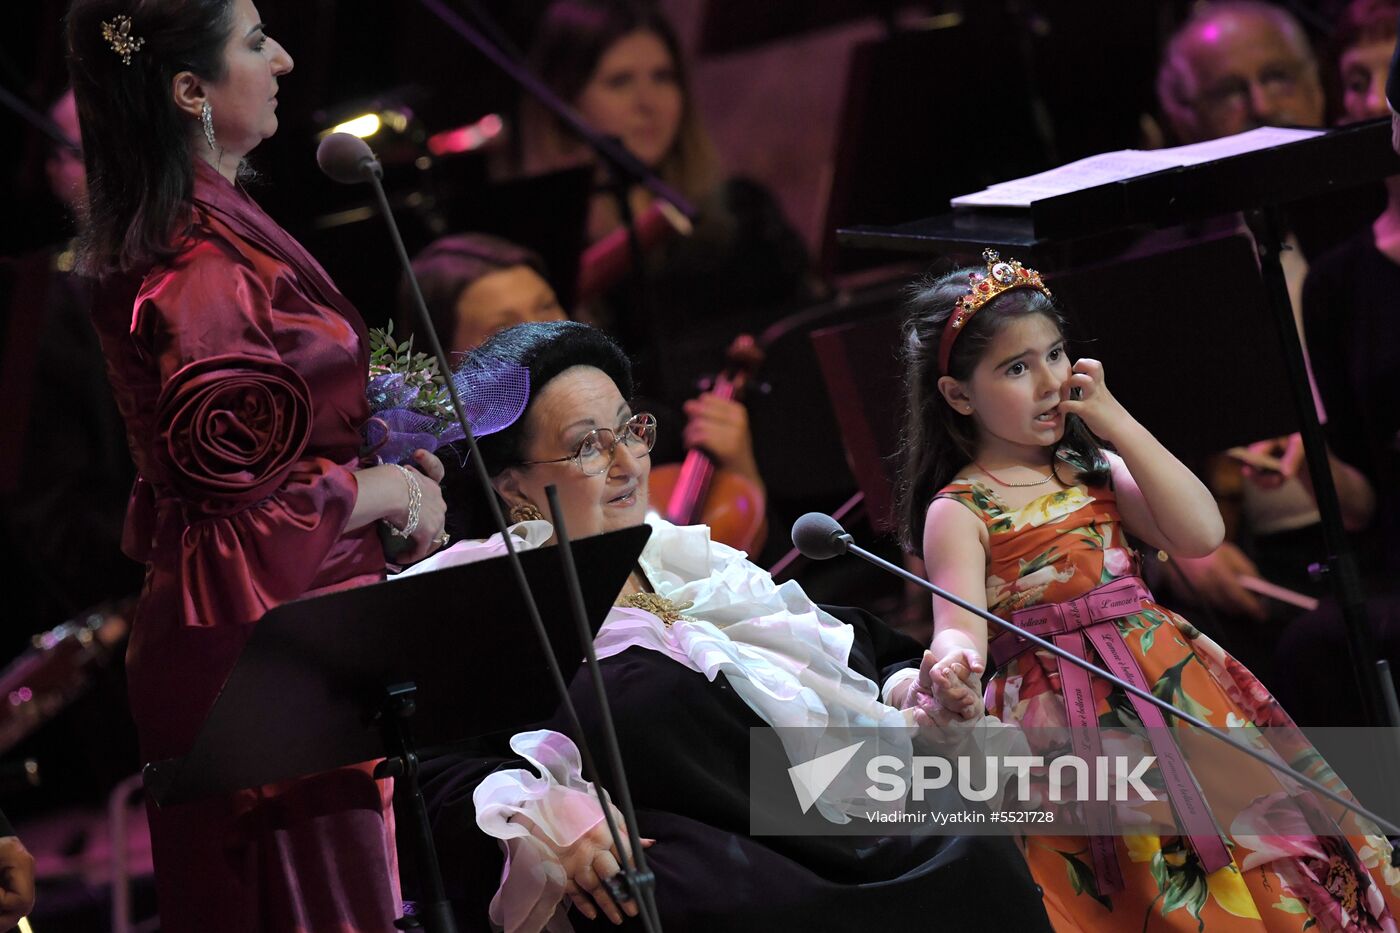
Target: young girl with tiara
(1014,504)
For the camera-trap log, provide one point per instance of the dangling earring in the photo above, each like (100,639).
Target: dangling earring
(206,116)
(525,512)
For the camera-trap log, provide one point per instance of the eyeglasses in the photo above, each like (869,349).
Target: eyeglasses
(596,451)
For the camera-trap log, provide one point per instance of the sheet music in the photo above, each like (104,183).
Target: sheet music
(1265,137)
(1126,163)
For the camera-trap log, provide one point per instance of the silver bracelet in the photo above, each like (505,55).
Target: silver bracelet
(415,502)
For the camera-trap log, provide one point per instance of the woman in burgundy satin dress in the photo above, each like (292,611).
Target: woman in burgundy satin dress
(240,370)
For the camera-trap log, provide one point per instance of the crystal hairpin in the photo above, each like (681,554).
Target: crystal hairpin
(117,34)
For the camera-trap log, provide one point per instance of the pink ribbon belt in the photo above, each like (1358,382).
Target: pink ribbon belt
(1067,625)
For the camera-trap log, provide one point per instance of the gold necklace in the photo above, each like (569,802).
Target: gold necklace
(667,611)
(1002,482)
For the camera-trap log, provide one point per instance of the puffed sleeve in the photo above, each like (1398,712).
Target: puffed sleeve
(233,423)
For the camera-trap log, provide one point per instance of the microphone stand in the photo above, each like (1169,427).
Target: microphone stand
(623,168)
(845,543)
(639,884)
(638,878)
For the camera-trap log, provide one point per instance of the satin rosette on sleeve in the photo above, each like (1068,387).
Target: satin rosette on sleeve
(231,428)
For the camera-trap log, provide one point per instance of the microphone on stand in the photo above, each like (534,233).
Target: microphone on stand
(821,537)
(349,160)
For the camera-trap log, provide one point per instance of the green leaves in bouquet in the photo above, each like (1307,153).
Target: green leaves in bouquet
(419,370)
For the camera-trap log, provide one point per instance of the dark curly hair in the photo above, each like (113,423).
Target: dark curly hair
(545,349)
(937,442)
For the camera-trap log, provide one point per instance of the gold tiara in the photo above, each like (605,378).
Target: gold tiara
(118,35)
(982,288)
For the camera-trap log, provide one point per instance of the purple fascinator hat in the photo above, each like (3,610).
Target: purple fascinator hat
(410,407)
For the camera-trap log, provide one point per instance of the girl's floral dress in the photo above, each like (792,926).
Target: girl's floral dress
(1059,547)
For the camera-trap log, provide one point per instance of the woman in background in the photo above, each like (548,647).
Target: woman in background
(474,285)
(618,62)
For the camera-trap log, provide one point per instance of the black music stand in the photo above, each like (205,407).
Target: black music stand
(328,682)
(1258,184)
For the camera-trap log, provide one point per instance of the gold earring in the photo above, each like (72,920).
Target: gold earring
(525,512)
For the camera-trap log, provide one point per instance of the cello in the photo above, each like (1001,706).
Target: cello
(698,491)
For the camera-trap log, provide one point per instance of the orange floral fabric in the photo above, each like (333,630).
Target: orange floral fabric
(1060,546)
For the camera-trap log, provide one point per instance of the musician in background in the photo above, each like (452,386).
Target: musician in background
(67,472)
(475,285)
(65,477)
(620,64)
(1231,67)
(1236,65)
(1351,303)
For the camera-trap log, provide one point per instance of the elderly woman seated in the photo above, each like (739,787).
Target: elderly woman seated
(701,647)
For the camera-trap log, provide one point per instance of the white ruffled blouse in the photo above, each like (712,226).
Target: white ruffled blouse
(786,658)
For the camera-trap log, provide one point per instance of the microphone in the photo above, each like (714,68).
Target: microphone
(347,159)
(820,536)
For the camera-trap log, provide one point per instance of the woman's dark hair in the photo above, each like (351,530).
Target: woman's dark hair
(136,141)
(451,265)
(937,441)
(571,39)
(545,349)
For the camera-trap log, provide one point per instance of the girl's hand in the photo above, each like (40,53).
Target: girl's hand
(1086,394)
(946,697)
(955,681)
(948,688)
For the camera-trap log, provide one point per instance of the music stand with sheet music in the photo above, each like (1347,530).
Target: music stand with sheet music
(1258,184)
(328,682)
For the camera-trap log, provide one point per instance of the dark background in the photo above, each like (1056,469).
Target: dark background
(908,110)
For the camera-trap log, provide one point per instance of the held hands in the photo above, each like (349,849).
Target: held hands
(1086,394)
(947,695)
(721,427)
(16,881)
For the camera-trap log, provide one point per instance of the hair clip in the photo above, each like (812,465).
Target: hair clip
(118,35)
